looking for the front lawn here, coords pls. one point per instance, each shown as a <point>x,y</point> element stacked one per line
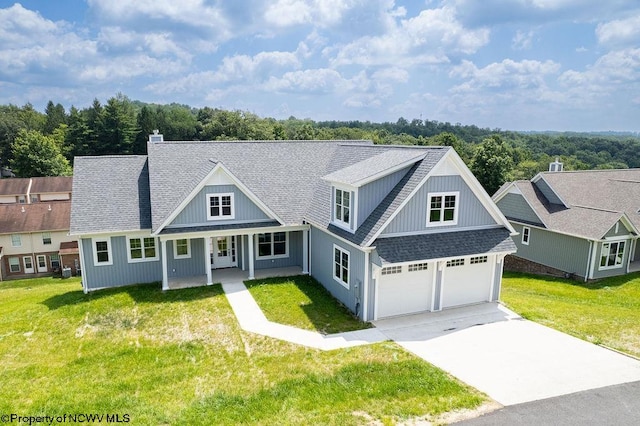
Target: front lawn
<point>179,357</point>
<point>302,302</point>
<point>606,312</point>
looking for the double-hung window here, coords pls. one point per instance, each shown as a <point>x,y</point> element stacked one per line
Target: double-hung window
<point>16,240</point>
<point>142,249</point>
<point>220,206</point>
<point>101,252</point>
<point>342,207</point>
<point>443,208</point>
<point>272,245</point>
<point>612,255</point>
<point>181,249</point>
<point>46,238</point>
<point>526,234</point>
<point>14,264</point>
<point>341,265</point>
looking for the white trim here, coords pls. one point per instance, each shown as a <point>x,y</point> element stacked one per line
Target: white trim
<point>615,265</point>
<point>333,266</point>
<point>142,248</point>
<point>235,222</point>
<point>95,251</point>
<point>381,174</point>
<point>526,234</point>
<point>43,239</point>
<point>305,251</point>
<point>341,239</point>
<point>443,195</point>
<point>218,166</point>
<point>499,197</point>
<point>594,255</point>
<point>207,259</point>
<point>45,268</point>
<point>440,231</point>
<point>272,243</point>
<point>347,226</point>
<point>539,176</point>
<point>233,231</point>
<point>220,195</point>
<point>175,249</point>
<point>365,290</point>
<point>18,264</point>
<point>83,270</point>
<point>165,277</point>
<point>19,240</point>
<point>251,256</point>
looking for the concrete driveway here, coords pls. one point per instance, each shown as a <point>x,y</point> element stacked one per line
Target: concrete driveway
<point>510,359</point>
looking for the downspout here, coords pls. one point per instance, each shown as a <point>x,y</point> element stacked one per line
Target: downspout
<point>586,272</point>
<point>365,290</point>
<point>28,200</point>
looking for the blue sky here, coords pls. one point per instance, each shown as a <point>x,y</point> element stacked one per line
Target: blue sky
<point>509,64</point>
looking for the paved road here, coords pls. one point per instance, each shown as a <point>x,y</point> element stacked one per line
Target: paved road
<point>613,405</point>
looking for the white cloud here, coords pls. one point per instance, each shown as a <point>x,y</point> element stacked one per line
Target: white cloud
<point>317,81</point>
<point>322,13</point>
<point>616,69</point>
<point>522,40</point>
<point>508,74</point>
<point>623,32</point>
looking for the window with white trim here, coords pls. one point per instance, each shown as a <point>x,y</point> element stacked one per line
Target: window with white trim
<point>526,234</point>
<point>55,261</point>
<point>22,199</point>
<point>14,264</point>
<point>478,259</point>
<point>455,262</point>
<point>142,249</point>
<point>46,238</point>
<point>181,249</point>
<point>220,206</point>
<point>612,254</point>
<point>341,265</point>
<point>342,207</point>
<point>442,208</point>
<point>418,267</point>
<point>102,252</point>
<point>16,240</point>
<point>389,270</point>
<point>272,245</point>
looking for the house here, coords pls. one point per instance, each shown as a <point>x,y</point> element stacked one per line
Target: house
<point>575,223</point>
<point>34,226</point>
<point>388,230</point>
<point>31,237</point>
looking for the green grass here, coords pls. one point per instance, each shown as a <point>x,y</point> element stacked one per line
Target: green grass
<point>605,312</point>
<point>179,357</point>
<point>302,302</point>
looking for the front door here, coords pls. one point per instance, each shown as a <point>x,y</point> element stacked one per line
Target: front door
<point>42,263</point>
<point>224,255</point>
<point>28,265</point>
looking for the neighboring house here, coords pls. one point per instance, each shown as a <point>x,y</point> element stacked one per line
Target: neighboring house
<point>580,223</point>
<point>31,236</point>
<point>388,230</point>
<point>34,190</point>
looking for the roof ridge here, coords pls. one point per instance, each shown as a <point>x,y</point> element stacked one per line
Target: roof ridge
<point>596,209</point>
<point>279,141</point>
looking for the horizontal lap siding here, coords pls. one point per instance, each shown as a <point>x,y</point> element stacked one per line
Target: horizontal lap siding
<point>564,252</point>
<point>189,267</point>
<point>322,268</point>
<point>515,206</point>
<point>413,217</point>
<point>196,211</point>
<point>121,272</point>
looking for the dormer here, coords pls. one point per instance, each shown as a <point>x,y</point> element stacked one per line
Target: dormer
<point>357,190</point>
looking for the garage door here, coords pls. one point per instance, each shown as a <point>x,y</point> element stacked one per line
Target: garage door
<point>466,281</point>
<point>404,290</point>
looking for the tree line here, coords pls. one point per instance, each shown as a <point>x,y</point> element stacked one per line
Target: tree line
<point>34,143</point>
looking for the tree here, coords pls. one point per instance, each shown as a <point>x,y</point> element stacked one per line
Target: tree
<point>119,126</point>
<point>55,117</point>
<point>35,154</point>
<point>492,163</point>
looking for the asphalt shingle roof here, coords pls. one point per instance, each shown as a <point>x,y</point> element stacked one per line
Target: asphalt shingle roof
<point>110,193</point>
<point>595,200</point>
<point>444,245</point>
<point>14,186</point>
<point>36,217</point>
<point>41,185</point>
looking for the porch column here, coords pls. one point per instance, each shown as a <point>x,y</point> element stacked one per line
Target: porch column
<point>251,260</point>
<point>163,253</point>
<point>207,260</point>
<point>305,251</point>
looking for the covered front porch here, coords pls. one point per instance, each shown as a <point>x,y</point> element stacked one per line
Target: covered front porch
<point>231,275</point>
<point>221,255</point>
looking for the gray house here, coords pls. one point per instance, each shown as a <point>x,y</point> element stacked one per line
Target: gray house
<point>388,230</point>
<point>580,223</point>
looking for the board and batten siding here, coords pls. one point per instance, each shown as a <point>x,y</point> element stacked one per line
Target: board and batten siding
<point>322,269</point>
<point>294,258</point>
<point>560,251</point>
<point>121,272</point>
<point>189,267</point>
<point>622,231</point>
<point>372,194</point>
<point>546,190</point>
<point>413,217</point>
<point>516,207</point>
<point>195,213</point>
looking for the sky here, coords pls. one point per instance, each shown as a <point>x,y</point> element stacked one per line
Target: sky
<point>565,65</point>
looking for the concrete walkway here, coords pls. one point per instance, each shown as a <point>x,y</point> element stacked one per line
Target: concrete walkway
<point>251,318</point>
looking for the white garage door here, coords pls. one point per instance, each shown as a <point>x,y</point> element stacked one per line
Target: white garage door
<point>404,290</point>
<point>466,281</point>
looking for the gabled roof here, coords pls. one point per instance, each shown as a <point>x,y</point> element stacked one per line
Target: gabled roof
<point>596,200</point>
<point>14,186</point>
<point>444,245</point>
<point>110,193</point>
<point>41,185</point>
<point>19,218</point>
